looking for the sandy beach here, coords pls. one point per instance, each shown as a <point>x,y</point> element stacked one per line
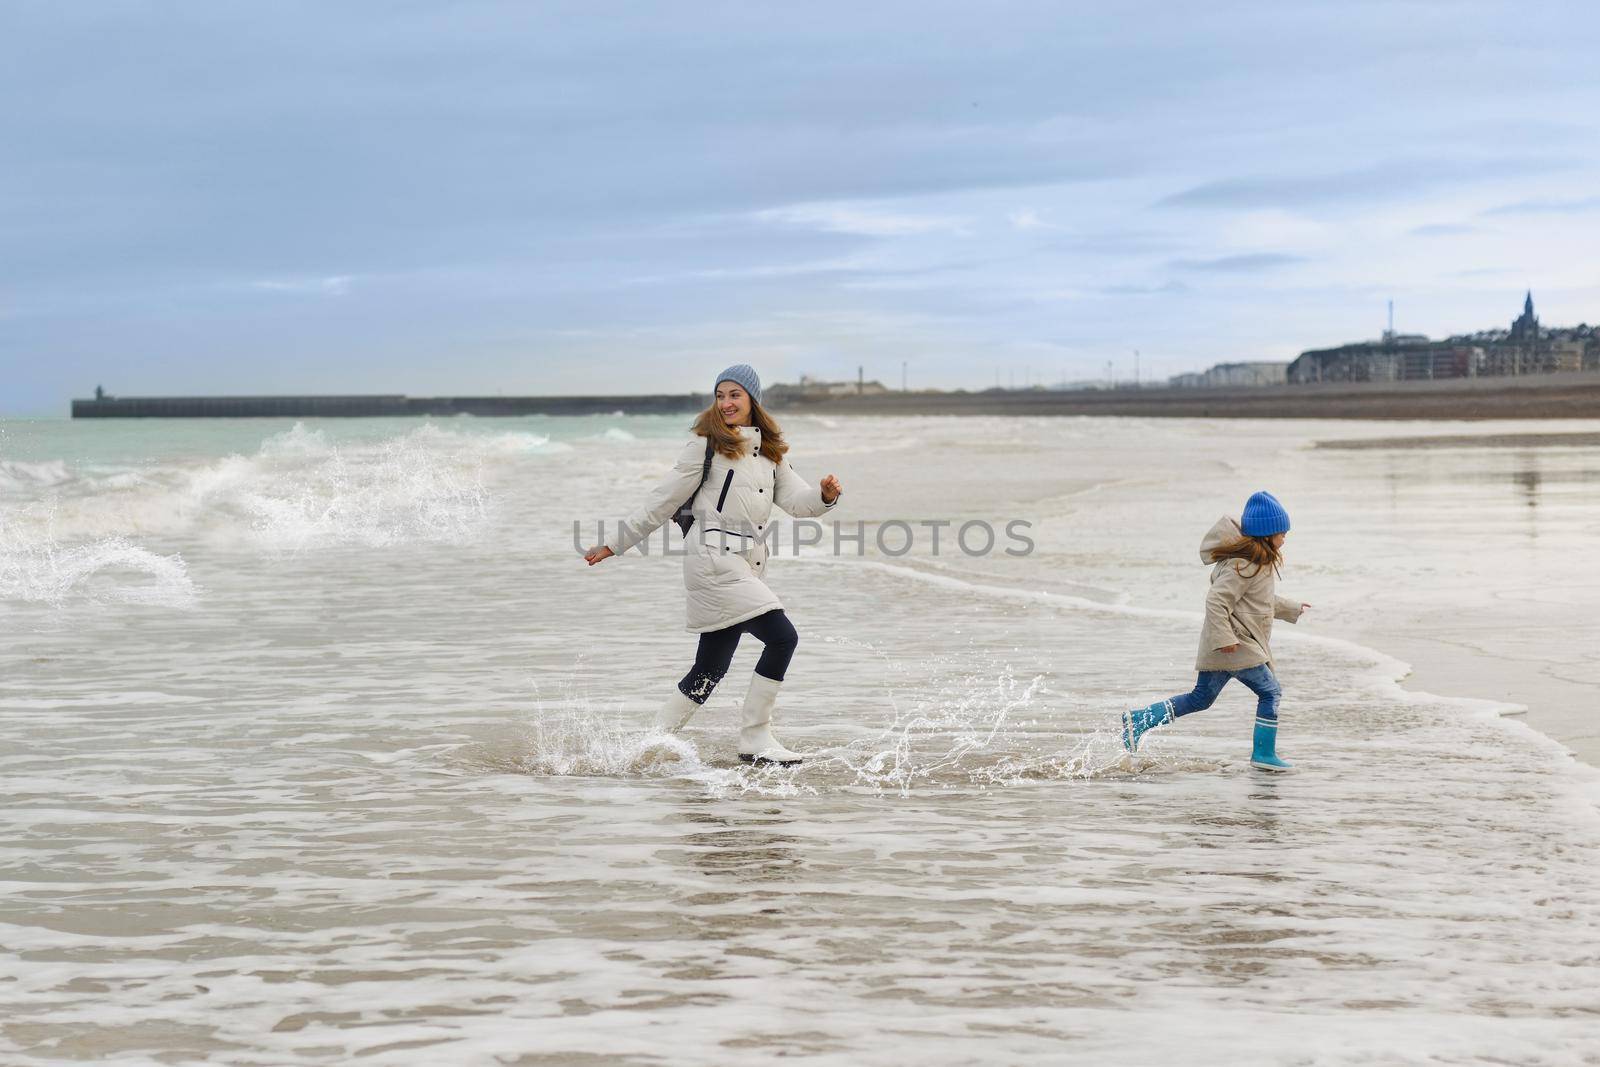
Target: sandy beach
<point>1525,646</point>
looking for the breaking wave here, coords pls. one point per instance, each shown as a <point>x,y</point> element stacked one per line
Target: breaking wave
<point>297,491</point>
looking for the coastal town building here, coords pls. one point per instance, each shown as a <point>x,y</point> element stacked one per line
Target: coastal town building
<point>1525,328</point>
<point>810,388</point>
<point>1525,348</point>
<point>1399,359</point>
<point>1233,375</point>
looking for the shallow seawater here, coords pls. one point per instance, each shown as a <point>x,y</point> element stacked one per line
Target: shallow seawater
<point>321,746</point>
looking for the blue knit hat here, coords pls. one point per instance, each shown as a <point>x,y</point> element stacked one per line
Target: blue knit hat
<point>745,377</point>
<point>1263,516</point>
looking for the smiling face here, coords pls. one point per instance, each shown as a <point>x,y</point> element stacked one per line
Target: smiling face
<point>734,403</point>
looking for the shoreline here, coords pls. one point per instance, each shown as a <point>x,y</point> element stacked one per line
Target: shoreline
<point>1479,682</point>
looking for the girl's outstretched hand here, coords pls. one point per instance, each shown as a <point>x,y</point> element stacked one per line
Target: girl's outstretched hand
<point>831,489</point>
<point>595,555</point>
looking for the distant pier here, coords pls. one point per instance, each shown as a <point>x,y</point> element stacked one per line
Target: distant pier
<point>378,406</point>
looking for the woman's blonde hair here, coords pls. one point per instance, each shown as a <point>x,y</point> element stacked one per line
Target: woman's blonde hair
<point>1259,551</point>
<point>727,440</point>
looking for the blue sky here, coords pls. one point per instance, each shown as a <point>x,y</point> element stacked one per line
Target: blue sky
<point>515,197</point>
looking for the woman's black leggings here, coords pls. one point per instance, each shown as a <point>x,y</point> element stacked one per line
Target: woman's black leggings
<point>711,659</point>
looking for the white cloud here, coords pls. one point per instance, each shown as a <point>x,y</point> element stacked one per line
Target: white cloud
<point>333,285</point>
<point>1028,219</point>
<point>1269,227</point>
<point>862,220</point>
<point>756,271</point>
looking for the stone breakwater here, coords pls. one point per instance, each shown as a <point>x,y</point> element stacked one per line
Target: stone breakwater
<point>386,405</point>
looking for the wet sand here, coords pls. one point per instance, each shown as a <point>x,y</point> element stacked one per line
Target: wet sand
<point>1524,640</point>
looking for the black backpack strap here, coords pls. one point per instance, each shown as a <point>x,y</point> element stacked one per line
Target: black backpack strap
<point>684,516</point>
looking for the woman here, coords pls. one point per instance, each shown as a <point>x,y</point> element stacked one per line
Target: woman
<point>725,562</point>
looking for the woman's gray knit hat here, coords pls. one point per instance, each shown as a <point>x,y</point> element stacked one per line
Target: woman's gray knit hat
<point>745,377</point>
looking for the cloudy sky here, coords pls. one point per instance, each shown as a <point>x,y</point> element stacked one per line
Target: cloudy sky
<point>437,198</point>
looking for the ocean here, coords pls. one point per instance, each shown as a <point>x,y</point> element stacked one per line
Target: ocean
<point>322,745</point>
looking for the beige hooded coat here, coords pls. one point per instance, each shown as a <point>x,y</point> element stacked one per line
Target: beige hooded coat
<point>1240,607</point>
<point>725,557</point>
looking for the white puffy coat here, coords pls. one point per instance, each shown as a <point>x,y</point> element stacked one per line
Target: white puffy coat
<point>725,559</point>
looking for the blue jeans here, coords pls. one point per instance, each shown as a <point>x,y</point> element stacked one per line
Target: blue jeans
<point>1259,680</point>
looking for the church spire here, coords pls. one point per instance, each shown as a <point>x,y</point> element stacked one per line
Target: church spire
<point>1527,325</point>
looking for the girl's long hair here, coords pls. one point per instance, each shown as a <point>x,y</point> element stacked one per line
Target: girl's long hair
<point>727,440</point>
<point>1255,550</point>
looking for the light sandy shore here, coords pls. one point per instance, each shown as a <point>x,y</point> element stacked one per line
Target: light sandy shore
<point>1528,633</point>
<point>1488,440</point>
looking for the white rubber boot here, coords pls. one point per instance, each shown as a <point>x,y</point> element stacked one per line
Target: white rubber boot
<point>676,713</point>
<point>756,743</point>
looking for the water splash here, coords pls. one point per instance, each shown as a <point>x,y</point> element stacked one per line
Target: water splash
<point>41,570</point>
<point>954,723</point>
<point>301,491</point>
<point>946,735</point>
<point>980,727</point>
<point>574,734</point>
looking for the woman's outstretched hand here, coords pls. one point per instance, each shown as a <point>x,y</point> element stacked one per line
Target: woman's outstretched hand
<point>831,489</point>
<point>595,555</point>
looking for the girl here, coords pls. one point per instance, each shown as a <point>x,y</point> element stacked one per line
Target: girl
<point>737,462</point>
<point>1236,639</point>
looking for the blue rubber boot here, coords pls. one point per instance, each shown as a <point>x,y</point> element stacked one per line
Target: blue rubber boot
<point>1264,753</point>
<point>1139,721</point>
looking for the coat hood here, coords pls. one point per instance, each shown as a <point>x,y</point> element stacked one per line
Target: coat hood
<point>1240,608</point>
<point>1226,529</point>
